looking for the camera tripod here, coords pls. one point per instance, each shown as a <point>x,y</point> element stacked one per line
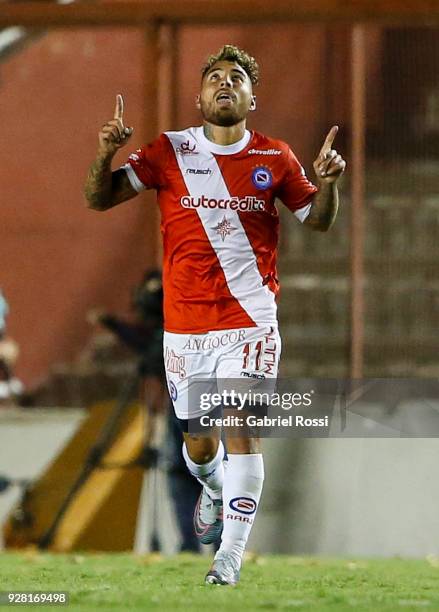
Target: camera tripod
<point>154,428</point>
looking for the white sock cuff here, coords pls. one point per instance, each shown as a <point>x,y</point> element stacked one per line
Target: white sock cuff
<point>252,464</point>
<point>204,469</point>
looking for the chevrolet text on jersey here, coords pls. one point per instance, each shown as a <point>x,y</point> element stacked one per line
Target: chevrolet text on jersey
<point>248,203</point>
<point>264,152</point>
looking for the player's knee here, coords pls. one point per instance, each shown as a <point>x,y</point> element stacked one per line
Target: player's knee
<point>201,450</point>
<point>243,446</point>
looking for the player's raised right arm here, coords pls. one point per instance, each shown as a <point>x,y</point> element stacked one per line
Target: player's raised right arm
<point>103,187</point>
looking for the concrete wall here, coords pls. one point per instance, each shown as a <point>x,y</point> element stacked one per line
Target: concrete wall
<point>59,259</point>
<point>356,497</point>
<point>28,443</point>
<point>31,440</point>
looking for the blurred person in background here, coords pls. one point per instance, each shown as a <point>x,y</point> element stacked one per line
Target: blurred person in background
<point>143,334</point>
<point>11,388</point>
<point>216,187</point>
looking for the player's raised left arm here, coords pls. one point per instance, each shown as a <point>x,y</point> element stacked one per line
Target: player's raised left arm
<point>328,166</point>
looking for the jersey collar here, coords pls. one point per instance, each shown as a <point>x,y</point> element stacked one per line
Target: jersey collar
<point>231,149</point>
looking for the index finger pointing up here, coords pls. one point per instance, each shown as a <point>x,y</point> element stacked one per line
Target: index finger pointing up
<point>118,111</point>
<point>327,145</point>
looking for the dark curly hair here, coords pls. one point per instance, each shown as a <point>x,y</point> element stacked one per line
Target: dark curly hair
<point>230,53</point>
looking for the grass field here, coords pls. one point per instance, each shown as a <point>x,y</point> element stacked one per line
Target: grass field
<point>126,582</point>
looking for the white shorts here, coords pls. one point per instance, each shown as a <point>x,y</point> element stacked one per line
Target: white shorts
<point>245,354</point>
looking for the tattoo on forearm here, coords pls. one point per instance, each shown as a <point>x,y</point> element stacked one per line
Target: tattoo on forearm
<point>324,208</point>
<point>98,184</point>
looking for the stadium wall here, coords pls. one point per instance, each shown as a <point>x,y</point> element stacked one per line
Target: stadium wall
<point>58,258</point>
<point>349,497</point>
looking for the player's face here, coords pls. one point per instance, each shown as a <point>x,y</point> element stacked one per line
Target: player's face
<point>226,94</point>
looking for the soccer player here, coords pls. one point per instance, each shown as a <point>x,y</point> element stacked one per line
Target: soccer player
<point>216,188</point>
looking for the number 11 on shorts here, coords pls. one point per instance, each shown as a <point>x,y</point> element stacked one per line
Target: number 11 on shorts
<point>249,354</point>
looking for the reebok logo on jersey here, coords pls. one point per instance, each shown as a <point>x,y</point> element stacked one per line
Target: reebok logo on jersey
<point>264,152</point>
<point>246,204</point>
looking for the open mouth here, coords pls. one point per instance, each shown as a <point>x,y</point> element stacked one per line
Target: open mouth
<point>224,98</point>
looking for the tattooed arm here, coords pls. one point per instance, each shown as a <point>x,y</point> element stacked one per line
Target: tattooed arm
<point>324,208</point>
<point>328,166</point>
<point>104,188</point>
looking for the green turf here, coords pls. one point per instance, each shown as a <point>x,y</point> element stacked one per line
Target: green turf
<point>126,582</point>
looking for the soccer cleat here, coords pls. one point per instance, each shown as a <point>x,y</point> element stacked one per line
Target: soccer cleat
<point>224,570</point>
<point>208,518</point>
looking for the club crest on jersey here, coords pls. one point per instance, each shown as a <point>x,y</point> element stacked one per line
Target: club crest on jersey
<point>224,228</point>
<point>245,505</point>
<point>262,177</point>
<point>187,149</point>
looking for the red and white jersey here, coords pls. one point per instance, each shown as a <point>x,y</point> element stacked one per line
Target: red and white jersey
<point>220,224</point>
